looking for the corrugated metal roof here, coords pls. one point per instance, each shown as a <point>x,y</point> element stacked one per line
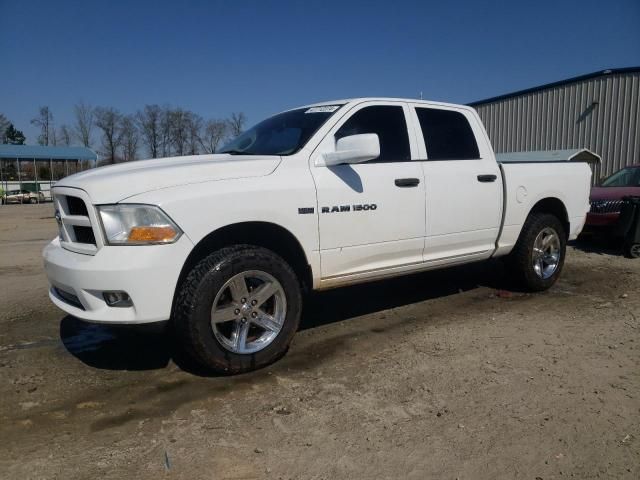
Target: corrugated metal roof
<point>580,78</point>
<point>568,155</point>
<point>40,152</point>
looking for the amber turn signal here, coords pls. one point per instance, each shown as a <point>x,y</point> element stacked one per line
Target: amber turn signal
<point>152,234</point>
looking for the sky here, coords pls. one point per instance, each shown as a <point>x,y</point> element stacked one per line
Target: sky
<point>262,57</point>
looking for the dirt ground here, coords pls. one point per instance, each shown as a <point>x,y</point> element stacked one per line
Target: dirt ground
<point>440,375</point>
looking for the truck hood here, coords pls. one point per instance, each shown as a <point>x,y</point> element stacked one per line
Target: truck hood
<point>612,193</point>
<point>114,183</point>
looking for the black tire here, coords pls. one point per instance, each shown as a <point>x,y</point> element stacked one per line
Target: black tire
<point>192,312</point>
<point>33,201</point>
<point>520,260</point>
<point>632,250</point>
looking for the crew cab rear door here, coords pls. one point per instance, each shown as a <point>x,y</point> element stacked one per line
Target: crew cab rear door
<point>463,183</point>
<point>372,214</point>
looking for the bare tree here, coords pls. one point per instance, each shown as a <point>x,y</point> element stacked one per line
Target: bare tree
<point>65,134</point>
<point>108,121</point>
<point>84,122</point>
<point>129,138</point>
<point>179,130</point>
<point>166,132</point>
<point>149,121</point>
<point>236,123</point>
<point>194,126</point>
<point>44,121</point>
<point>214,132</point>
<point>163,130</point>
<point>4,125</point>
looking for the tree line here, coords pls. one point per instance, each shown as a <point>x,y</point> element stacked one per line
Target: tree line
<point>158,131</point>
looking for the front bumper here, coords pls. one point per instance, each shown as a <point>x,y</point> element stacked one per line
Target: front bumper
<point>147,273</point>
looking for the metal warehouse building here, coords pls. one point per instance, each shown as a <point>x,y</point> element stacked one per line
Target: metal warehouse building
<point>599,111</point>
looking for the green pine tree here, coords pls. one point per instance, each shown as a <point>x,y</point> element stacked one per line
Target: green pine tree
<point>13,136</point>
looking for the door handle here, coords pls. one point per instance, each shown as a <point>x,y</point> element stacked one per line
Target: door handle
<point>407,182</point>
<point>487,178</point>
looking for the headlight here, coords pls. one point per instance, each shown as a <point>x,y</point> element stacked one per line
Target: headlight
<point>129,224</point>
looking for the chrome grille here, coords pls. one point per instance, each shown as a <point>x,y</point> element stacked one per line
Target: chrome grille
<point>606,206</point>
<point>76,206</point>
<point>76,221</point>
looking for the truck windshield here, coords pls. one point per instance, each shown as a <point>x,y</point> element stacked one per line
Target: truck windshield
<point>627,177</point>
<point>282,134</point>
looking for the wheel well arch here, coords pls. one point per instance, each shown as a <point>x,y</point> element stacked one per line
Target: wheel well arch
<point>260,234</point>
<point>556,207</point>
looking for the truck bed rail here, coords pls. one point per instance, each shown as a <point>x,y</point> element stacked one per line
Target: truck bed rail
<point>550,156</point>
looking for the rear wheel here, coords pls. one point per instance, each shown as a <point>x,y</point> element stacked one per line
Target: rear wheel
<point>538,257</point>
<point>238,309</point>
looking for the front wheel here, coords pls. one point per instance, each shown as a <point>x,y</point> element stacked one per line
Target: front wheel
<point>632,250</point>
<point>238,309</point>
<point>538,257</point>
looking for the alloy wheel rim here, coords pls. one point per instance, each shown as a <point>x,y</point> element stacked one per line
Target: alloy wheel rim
<point>248,312</point>
<point>546,253</point>
<point>635,250</point>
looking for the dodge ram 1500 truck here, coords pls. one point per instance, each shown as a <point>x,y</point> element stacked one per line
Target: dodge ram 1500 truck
<point>316,197</point>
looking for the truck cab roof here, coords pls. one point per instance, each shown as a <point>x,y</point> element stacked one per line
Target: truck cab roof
<point>357,100</point>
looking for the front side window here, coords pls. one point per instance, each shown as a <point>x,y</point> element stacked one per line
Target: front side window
<point>627,177</point>
<point>447,135</point>
<point>388,123</point>
<point>282,134</point>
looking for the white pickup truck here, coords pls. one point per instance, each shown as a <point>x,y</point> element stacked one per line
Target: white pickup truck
<point>316,197</point>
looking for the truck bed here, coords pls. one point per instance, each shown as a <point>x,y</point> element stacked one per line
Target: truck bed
<point>526,181</point>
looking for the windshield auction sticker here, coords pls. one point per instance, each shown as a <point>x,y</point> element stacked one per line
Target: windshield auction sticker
<point>323,109</point>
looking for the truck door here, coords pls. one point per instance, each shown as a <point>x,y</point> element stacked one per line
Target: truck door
<point>463,184</point>
<point>372,214</point>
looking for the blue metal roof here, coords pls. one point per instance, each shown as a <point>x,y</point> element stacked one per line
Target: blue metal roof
<point>39,152</point>
<point>600,73</point>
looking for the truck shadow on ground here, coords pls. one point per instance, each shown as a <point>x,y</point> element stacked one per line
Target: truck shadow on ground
<point>600,244</point>
<point>150,347</point>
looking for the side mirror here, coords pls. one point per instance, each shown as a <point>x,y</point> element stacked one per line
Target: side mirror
<point>354,149</point>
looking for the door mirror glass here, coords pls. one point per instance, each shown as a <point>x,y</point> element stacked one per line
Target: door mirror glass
<point>354,149</point>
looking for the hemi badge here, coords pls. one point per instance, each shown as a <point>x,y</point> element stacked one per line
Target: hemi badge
<point>306,210</point>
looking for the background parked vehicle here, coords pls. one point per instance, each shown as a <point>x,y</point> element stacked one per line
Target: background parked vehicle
<point>628,226</point>
<point>22,196</point>
<point>606,199</point>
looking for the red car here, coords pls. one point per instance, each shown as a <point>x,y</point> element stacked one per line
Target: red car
<point>606,199</point>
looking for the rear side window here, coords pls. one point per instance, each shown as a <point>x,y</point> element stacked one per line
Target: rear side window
<point>447,135</point>
<point>388,123</point>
